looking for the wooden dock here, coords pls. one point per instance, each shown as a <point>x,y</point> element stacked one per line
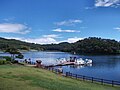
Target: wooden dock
<point>62,64</point>
<point>66,63</point>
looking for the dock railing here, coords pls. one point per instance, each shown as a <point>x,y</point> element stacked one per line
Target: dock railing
<point>85,78</point>
<point>92,79</point>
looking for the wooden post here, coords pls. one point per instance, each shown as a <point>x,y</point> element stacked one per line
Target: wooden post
<point>102,81</point>
<point>112,83</point>
<point>83,78</point>
<point>66,74</point>
<point>71,75</point>
<point>92,79</point>
<point>76,76</point>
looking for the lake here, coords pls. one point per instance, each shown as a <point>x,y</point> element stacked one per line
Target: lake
<point>104,66</point>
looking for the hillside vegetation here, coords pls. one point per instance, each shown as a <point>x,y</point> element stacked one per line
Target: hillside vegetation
<point>91,45</point>
<point>8,43</point>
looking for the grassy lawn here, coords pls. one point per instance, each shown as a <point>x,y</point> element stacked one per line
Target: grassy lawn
<point>15,77</point>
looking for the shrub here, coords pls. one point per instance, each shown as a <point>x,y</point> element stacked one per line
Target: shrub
<point>15,61</point>
<point>7,58</point>
<point>3,62</point>
<point>8,62</point>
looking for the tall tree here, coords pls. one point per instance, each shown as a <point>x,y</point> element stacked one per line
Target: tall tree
<point>13,52</point>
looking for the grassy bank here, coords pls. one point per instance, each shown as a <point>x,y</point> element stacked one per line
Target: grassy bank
<point>14,77</point>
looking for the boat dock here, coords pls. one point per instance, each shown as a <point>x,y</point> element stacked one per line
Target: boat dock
<point>61,64</point>
<point>65,63</point>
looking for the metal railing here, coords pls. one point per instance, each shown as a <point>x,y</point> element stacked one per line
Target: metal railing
<point>92,79</point>
<point>85,78</point>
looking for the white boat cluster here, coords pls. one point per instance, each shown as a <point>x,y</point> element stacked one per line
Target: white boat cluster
<point>78,61</point>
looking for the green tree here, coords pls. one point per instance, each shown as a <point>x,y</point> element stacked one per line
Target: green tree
<point>13,52</point>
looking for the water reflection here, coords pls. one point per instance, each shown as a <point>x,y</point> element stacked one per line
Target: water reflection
<point>77,66</point>
<point>80,66</point>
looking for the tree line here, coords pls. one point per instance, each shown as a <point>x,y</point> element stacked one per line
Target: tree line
<point>91,45</point>
<point>10,43</point>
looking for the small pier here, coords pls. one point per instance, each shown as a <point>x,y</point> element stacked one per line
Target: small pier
<point>62,64</point>
<point>65,63</point>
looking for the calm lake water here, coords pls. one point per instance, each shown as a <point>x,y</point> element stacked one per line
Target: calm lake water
<point>106,67</point>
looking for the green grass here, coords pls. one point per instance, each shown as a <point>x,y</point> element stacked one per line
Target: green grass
<point>15,77</point>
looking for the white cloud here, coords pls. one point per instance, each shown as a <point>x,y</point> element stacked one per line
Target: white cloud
<point>87,8</point>
<point>117,28</point>
<point>72,40</point>
<point>45,40</point>
<point>17,38</point>
<point>107,3</point>
<point>68,23</point>
<point>14,28</point>
<point>41,40</point>
<point>51,36</point>
<point>9,19</point>
<point>83,27</point>
<point>69,31</point>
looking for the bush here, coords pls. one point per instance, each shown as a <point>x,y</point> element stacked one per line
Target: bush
<point>15,61</point>
<point>8,62</point>
<point>3,62</point>
<point>7,58</point>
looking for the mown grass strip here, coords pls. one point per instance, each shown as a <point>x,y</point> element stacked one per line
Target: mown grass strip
<point>14,77</point>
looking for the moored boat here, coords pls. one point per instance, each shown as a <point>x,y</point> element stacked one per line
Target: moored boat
<point>88,61</point>
<point>79,61</point>
<point>73,61</point>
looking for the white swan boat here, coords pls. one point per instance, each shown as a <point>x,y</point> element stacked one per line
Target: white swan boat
<point>79,61</point>
<point>61,60</point>
<point>88,61</point>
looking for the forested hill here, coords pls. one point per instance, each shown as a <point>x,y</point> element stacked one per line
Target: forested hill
<point>8,43</point>
<point>97,46</point>
<point>91,45</point>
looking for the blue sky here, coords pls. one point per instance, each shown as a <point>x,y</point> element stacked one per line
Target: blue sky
<point>55,21</point>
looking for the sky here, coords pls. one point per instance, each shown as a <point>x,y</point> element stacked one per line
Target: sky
<point>55,21</point>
